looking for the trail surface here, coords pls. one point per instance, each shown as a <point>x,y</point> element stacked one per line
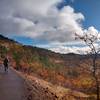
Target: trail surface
<point>11,85</point>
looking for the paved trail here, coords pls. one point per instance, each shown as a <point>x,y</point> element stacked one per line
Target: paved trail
<point>11,85</point>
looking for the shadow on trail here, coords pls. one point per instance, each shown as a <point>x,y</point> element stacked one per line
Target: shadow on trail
<point>3,72</point>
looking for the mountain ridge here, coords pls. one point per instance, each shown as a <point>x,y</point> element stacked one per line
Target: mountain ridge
<point>12,40</point>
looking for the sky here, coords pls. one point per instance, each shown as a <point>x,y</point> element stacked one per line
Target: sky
<point>50,24</point>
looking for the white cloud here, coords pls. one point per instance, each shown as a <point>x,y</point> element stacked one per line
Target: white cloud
<point>92,31</point>
<point>70,49</point>
<point>78,47</point>
<point>66,23</point>
<point>40,19</point>
<point>74,49</point>
<point>64,48</point>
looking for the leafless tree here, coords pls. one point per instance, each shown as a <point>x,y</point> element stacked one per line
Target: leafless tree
<point>92,41</point>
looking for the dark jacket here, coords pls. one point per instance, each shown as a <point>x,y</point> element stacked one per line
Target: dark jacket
<point>5,62</point>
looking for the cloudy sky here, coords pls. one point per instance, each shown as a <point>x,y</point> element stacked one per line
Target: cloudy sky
<point>50,24</point>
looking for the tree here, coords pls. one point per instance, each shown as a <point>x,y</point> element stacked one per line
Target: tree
<point>92,41</point>
<point>17,58</point>
<point>3,51</point>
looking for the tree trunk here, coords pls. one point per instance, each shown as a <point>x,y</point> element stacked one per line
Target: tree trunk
<point>97,89</point>
<point>96,77</point>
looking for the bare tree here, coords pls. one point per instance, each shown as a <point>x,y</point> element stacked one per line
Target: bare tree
<point>92,41</point>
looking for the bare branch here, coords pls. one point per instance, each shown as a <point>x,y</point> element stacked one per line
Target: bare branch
<point>90,40</point>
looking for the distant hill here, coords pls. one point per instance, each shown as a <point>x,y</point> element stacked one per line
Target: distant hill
<point>3,38</point>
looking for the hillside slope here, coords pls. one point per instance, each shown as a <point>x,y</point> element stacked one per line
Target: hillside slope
<point>38,89</point>
<point>67,70</point>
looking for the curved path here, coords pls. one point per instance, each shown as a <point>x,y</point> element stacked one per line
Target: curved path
<point>11,85</point>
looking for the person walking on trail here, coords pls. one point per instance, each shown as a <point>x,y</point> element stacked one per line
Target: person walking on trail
<point>5,62</point>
